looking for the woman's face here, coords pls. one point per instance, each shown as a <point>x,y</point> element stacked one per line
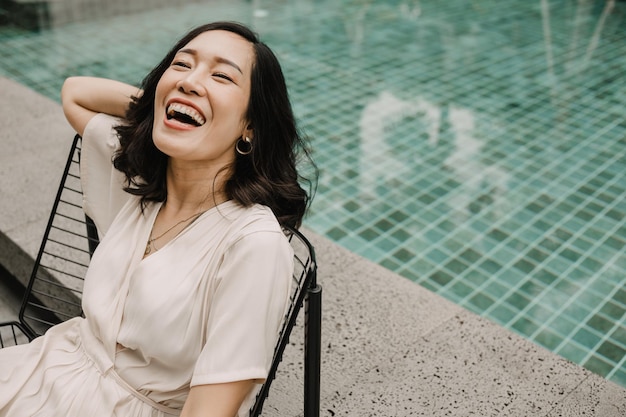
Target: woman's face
<point>202,98</point>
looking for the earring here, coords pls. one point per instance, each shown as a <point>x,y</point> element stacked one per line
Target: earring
<point>244,146</point>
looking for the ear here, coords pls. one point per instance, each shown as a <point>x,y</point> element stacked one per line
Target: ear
<point>248,132</point>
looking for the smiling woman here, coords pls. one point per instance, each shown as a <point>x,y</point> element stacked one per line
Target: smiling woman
<point>189,180</point>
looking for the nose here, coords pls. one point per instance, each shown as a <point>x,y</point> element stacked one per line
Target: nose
<point>190,84</point>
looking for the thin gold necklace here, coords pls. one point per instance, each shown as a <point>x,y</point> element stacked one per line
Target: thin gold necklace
<point>150,244</point>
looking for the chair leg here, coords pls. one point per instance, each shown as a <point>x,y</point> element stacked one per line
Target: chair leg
<point>312,351</point>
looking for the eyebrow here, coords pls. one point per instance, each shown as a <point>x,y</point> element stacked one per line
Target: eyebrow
<point>220,60</point>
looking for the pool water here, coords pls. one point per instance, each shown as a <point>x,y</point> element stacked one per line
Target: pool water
<point>478,148</point>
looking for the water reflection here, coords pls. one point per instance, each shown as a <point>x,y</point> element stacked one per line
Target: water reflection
<point>424,122</point>
<point>377,118</point>
<point>475,177</point>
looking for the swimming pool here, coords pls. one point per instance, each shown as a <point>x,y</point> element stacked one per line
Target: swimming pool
<point>475,147</point>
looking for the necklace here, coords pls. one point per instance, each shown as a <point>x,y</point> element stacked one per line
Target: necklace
<point>150,244</point>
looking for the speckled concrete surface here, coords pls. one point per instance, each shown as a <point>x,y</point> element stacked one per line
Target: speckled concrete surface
<point>390,347</point>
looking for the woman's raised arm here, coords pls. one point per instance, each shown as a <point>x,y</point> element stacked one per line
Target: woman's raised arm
<point>84,97</point>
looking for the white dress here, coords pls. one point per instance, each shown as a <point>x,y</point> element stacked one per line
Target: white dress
<point>205,308</point>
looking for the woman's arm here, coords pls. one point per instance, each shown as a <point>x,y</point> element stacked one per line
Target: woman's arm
<point>216,400</point>
<point>84,97</point>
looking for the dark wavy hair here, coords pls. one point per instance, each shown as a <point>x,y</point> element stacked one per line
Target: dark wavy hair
<point>268,175</point>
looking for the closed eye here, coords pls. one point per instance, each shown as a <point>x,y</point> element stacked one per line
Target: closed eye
<point>224,76</point>
<point>180,64</point>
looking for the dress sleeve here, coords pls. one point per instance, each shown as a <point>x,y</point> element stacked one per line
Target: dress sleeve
<point>103,194</point>
<point>247,310</point>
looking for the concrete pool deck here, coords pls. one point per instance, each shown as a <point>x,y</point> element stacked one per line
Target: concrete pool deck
<point>390,347</point>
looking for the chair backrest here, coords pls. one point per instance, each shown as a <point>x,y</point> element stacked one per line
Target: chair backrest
<point>306,292</point>
<point>55,287</point>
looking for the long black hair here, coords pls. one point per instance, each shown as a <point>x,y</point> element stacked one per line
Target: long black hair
<point>268,175</point>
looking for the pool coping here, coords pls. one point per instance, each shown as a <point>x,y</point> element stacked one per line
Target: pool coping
<point>390,347</point>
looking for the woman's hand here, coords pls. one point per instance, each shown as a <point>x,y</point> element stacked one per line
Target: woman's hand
<point>84,97</point>
<point>216,400</point>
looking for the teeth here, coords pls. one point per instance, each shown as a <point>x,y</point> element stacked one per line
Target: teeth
<point>186,110</point>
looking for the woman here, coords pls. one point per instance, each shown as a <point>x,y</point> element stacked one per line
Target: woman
<point>186,292</point>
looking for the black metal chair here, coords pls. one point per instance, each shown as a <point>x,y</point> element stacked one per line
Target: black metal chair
<point>55,286</point>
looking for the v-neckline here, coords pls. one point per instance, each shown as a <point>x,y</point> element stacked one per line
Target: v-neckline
<point>155,212</point>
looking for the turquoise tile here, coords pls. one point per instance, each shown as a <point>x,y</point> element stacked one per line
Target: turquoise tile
<point>574,352</point>
<point>598,365</point>
<point>548,339</point>
<point>619,377</point>
<point>587,338</point>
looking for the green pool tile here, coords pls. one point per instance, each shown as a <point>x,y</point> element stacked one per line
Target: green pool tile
<point>541,313</point>
<point>532,288</point>
<point>391,264</point>
<point>525,266</point>
<point>576,312</point>
<point>611,351</point>
<point>613,311</point>
<point>589,299</point>
<point>453,245</point>
<point>470,256</point>
<point>598,366</point>
<point>525,326</point>
<point>600,324</point>
<point>422,266</point>
<point>373,253</point>
<point>437,256</point>
<point>545,276</point>
<point>442,278</point>
<point>401,235</point>
<point>563,326</point>
<point>481,302</point>
<point>489,266</point>
<point>587,338</point>
<point>518,301</point>
<point>616,242</point>
<point>476,277</point>
<point>512,277</point>
<point>456,267</point>
<point>336,233</point>
<point>501,313</point>
<point>504,255</point>
<point>430,285</point>
<point>574,352</point>
<point>403,255</point>
<point>548,339</point>
<point>369,234</point>
<point>461,289</point>
<point>582,244</point>
<point>570,255</point>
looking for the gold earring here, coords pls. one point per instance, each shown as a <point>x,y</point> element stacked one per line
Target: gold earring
<point>246,144</point>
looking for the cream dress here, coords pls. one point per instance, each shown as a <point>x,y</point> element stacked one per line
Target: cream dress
<point>205,308</point>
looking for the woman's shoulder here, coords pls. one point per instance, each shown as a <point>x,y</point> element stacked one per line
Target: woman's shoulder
<point>100,135</point>
<point>256,220</point>
<point>101,124</point>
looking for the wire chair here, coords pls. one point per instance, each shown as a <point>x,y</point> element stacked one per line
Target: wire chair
<point>55,286</point>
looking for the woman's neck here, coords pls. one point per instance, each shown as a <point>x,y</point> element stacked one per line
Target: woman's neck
<point>194,190</point>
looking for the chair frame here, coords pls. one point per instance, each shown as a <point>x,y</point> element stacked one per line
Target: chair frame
<point>21,325</point>
<point>308,293</point>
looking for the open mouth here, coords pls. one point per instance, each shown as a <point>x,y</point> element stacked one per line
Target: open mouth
<point>184,114</point>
